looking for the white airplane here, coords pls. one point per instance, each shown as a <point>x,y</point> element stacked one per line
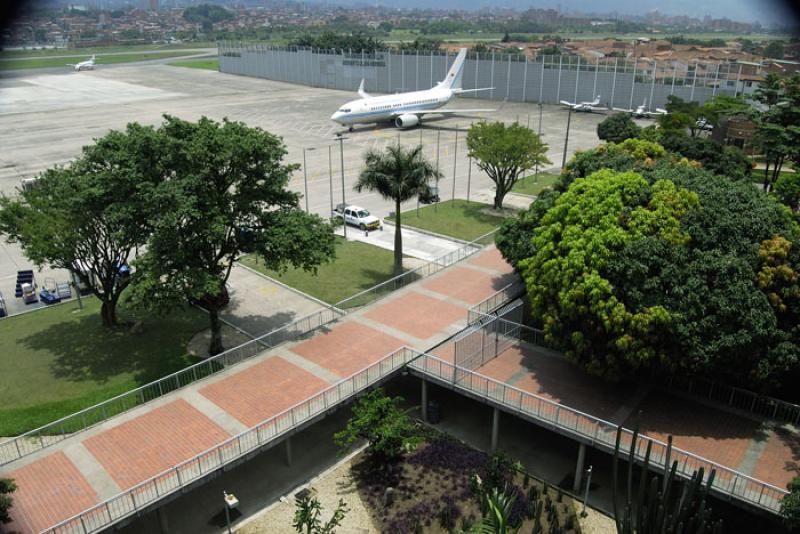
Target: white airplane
<point>594,105</point>
<point>83,65</point>
<point>642,112</point>
<point>406,109</point>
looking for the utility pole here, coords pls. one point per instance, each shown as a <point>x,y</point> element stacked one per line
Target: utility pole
<point>330,175</point>
<point>344,202</point>
<point>539,133</point>
<point>438,137</point>
<point>455,161</point>
<point>566,140</point>
<point>305,174</point>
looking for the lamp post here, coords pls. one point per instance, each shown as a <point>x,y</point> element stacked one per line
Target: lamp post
<point>305,174</point>
<point>330,175</point>
<point>566,139</point>
<point>455,161</point>
<point>341,158</point>
<point>438,137</point>
<point>586,492</point>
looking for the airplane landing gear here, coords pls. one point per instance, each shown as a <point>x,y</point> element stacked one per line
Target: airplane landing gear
<point>350,129</point>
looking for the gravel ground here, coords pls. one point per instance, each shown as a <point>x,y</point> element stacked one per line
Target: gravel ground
<point>332,485</point>
<point>337,483</point>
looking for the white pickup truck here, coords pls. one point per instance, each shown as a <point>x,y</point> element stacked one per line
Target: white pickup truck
<point>357,216</point>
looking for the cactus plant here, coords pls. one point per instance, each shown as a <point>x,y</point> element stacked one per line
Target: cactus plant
<point>658,507</point>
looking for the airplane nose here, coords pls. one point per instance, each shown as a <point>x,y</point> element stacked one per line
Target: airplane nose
<point>336,116</point>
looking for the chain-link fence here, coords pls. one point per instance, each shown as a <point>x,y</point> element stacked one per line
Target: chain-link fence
<point>620,82</point>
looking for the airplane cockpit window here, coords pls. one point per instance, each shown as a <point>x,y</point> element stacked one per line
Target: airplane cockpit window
<point>344,110</point>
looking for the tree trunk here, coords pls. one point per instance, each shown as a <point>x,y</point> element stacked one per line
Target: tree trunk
<point>108,312</point>
<point>215,347</point>
<point>499,194</point>
<point>398,241</point>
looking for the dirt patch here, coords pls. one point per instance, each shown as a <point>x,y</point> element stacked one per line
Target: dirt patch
<point>502,213</point>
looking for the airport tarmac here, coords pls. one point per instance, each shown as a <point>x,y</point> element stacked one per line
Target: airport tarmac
<point>46,116</point>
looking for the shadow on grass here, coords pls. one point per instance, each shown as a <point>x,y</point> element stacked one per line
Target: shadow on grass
<point>84,350</point>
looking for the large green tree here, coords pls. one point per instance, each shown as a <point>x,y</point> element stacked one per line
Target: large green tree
<point>91,216</point>
<point>226,192</point>
<point>713,288</point>
<point>398,174</point>
<point>584,229</point>
<point>504,153</point>
<point>617,128</point>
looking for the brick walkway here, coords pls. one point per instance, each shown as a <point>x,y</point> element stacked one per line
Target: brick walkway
<point>759,448</point>
<point>94,465</point>
<point>89,467</point>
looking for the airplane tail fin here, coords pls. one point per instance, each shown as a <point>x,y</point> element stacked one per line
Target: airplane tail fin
<point>453,79</point>
<point>361,92</point>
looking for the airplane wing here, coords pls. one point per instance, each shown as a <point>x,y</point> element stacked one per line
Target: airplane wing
<point>70,64</point>
<point>596,108</point>
<point>568,104</point>
<point>623,110</point>
<point>442,111</point>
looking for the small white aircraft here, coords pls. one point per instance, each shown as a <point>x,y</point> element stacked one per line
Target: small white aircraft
<point>83,65</point>
<point>642,112</point>
<point>588,107</point>
<point>406,109</point>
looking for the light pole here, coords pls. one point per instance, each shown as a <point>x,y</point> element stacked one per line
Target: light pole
<point>539,132</point>
<point>586,492</point>
<point>305,174</point>
<point>341,158</point>
<point>566,140</point>
<point>455,161</point>
<point>330,174</point>
<point>438,137</point>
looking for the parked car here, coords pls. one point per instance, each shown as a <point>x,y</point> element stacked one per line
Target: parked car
<point>357,216</point>
<point>429,195</point>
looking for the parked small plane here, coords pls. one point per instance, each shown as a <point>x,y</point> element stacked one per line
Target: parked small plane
<point>83,65</point>
<point>642,112</point>
<point>594,105</point>
<point>406,109</point>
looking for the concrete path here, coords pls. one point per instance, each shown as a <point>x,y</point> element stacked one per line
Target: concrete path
<point>142,442</point>
<point>417,244</point>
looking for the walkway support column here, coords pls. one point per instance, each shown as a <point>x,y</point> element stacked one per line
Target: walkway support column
<point>288,447</point>
<point>163,521</point>
<point>495,429</point>
<point>576,486</point>
<point>424,400</point>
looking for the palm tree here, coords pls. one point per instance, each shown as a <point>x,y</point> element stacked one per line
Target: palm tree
<point>398,174</point>
<point>498,512</point>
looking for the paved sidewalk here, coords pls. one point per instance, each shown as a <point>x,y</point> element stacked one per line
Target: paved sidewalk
<point>415,244</point>
<point>142,442</point>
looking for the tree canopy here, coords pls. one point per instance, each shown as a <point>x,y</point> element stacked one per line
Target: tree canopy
<point>504,153</point>
<point>91,216</point>
<point>617,128</point>
<point>329,40</point>
<point>226,193</point>
<point>656,263</point>
<point>7,487</point>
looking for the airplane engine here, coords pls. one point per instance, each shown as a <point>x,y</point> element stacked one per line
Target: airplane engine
<point>406,121</point>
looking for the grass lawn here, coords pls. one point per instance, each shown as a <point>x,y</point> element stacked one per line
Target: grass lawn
<point>533,186</point>
<point>59,360</point>
<point>454,218</point>
<point>80,52</point>
<point>101,60</point>
<point>358,266</point>
<point>208,64</point>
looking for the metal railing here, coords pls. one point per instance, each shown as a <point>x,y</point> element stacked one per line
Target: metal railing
<point>483,341</point>
<point>54,432</point>
<point>379,291</point>
<point>157,487</point>
<point>728,482</point>
<point>495,301</point>
<point>738,398</point>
